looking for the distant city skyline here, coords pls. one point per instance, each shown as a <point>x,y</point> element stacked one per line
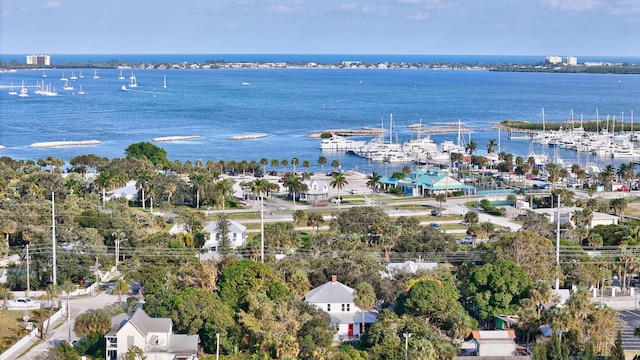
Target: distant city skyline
<point>500,27</point>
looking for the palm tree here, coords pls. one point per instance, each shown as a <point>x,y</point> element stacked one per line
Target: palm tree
<point>365,298</point>
<point>169,190</point>
<point>339,181</point>
<point>67,287</point>
<point>142,184</point>
<point>264,162</point>
<point>225,187</point>
<point>373,180</point>
<point>197,183</point>
<point>295,162</point>
<point>471,147</point>
<point>315,220</point>
<point>491,146</point>
<point>322,161</point>
<point>284,164</point>
<point>335,164</point>
<point>275,163</point>
<point>104,182</point>
<point>306,164</point>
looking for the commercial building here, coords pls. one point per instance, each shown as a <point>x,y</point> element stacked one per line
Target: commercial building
<point>43,60</point>
<point>552,59</point>
<point>571,60</point>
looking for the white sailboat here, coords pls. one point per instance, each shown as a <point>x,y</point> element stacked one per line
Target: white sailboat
<point>63,78</point>
<point>11,91</point>
<point>133,82</point>
<point>67,86</point>
<point>165,82</point>
<point>80,92</point>
<point>43,74</point>
<point>73,76</point>
<point>23,91</point>
<point>95,74</point>
<point>80,75</point>
<point>121,77</point>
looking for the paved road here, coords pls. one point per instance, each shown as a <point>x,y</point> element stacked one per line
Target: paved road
<point>57,333</point>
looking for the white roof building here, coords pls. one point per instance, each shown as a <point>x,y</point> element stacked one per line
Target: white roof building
<point>154,336</point>
<point>237,235</point>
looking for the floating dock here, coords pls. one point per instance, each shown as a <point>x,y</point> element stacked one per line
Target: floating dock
<point>249,136</point>
<point>176,138</point>
<point>48,144</point>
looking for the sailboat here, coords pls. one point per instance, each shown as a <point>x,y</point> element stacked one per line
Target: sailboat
<point>67,86</point>
<point>43,74</point>
<point>80,92</point>
<point>23,91</point>
<point>165,82</point>
<point>80,75</point>
<point>121,77</point>
<point>63,78</point>
<point>73,76</point>
<point>95,74</point>
<point>133,83</point>
<point>11,91</point>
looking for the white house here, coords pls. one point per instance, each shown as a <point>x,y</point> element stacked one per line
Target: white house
<point>495,343</point>
<point>154,336</point>
<point>336,299</point>
<point>566,216</point>
<point>8,260</point>
<point>317,191</point>
<point>237,235</point>
<point>129,191</point>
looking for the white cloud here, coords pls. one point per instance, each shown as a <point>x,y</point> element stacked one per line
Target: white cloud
<point>375,10</point>
<point>571,5</point>
<point>52,4</point>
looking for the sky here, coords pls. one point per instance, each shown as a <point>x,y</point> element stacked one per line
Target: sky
<point>446,27</point>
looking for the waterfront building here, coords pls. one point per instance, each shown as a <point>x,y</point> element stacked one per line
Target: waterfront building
<point>43,60</point>
<point>571,60</point>
<point>553,59</point>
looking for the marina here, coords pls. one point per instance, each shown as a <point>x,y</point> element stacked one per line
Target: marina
<point>213,105</point>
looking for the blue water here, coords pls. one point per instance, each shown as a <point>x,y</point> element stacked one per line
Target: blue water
<point>290,104</point>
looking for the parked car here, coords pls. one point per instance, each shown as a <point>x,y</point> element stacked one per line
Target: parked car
<point>258,174</point>
<point>623,188</point>
<point>464,223</point>
<point>465,240</point>
<point>544,186</point>
<point>353,191</point>
<point>435,226</point>
<point>436,212</point>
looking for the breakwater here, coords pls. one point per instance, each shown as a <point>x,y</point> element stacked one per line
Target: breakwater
<point>49,144</point>
<point>249,136</point>
<point>176,138</point>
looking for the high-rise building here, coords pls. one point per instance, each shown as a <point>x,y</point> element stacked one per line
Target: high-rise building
<point>39,60</point>
<point>552,59</point>
<point>571,60</point>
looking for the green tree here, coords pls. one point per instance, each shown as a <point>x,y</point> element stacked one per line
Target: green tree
<point>365,298</point>
<point>497,288</point>
<point>295,162</point>
<point>94,322</point>
<point>491,146</point>
<point>617,351</point>
<point>223,237</point>
<point>339,181</point>
<point>134,353</point>
<point>155,154</point>
<point>322,161</point>
<point>440,198</point>
<point>471,147</point>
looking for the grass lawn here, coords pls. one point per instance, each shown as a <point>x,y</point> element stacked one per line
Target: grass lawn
<point>12,326</point>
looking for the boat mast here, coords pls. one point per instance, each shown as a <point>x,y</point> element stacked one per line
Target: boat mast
<point>390,128</point>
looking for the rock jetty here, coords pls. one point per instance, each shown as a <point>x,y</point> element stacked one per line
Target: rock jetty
<point>48,144</point>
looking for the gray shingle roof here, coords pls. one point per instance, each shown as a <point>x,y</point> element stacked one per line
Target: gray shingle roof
<point>330,292</point>
<point>147,324</point>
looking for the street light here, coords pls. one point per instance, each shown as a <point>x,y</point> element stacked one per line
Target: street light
<point>406,344</point>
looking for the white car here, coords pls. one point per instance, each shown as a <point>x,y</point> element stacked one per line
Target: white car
<point>465,240</point>
<point>353,191</point>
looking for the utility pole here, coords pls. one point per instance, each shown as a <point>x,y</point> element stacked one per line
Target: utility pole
<point>261,228</point>
<point>117,242</point>
<point>28,280</point>
<point>53,236</point>
<point>558,247</point>
<point>217,345</point>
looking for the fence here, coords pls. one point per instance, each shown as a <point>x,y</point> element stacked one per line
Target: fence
<point>12,352</point>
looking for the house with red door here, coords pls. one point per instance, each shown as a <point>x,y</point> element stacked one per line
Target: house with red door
<point>337,300</point>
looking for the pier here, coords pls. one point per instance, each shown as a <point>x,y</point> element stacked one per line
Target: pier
<point>176,138</point>
<point>249,136</point>
<point>48,144</point>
